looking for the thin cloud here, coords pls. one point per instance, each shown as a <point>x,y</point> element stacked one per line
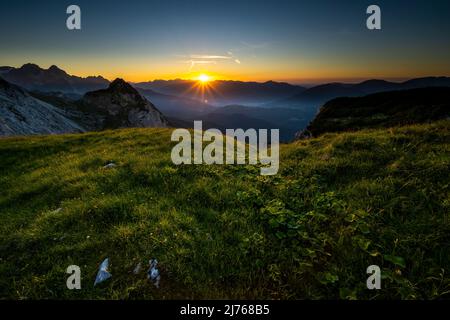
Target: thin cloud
<point>195,56</point>
<point>195,59</point>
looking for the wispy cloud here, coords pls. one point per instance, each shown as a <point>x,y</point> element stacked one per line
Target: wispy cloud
<point>196,59</point>
<point>197,56</point>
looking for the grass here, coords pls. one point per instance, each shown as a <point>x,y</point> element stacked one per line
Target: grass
<point>339,203</point>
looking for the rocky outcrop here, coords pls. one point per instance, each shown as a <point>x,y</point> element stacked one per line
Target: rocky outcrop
<point>22,114</point>
<point>124,107</point>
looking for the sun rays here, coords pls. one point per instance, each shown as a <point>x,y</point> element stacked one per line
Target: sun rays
<point>203,87</point>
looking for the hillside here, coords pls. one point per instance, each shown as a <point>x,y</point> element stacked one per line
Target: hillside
<point>316,96</point>
<point>340,203</point>
<point>384,109</point>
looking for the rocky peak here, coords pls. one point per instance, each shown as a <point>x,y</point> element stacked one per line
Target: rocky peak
<point>124,106</point>
<point>118,93</point>
<point>120,85</point>
<point>30,68</point>
<point>55,70</point>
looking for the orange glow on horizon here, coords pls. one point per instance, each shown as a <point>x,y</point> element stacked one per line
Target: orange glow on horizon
<point>136,73</point>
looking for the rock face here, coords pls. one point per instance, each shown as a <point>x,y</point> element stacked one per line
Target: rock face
<point>22,114</point>
<point>124,107</point>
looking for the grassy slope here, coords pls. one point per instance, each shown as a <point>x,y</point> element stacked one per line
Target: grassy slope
<point>339,203</point>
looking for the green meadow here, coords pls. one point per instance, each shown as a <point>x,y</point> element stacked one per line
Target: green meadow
<point>339,203</point>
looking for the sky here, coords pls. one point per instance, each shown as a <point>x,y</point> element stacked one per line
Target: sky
<point>294,41</point>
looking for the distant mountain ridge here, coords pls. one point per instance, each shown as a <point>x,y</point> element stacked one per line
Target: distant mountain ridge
<point>224,92</point>
<point>322,93</point>
<point>32,77</point>
<point>219,103</point>
<point>5,69</point>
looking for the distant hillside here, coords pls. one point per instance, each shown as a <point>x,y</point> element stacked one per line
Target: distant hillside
<point>316,96</point>
<point>33,77</point>
<point>384,109</point>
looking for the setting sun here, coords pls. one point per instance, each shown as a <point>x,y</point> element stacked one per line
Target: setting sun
<point>204,78</point>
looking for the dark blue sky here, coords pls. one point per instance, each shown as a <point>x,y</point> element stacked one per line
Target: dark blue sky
<point>298,41</point>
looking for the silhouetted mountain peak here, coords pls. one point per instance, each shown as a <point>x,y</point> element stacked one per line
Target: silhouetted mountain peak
<point>30,68</point>
<point>374,81</point>
<point>120,85</point>
<point>55,70</point>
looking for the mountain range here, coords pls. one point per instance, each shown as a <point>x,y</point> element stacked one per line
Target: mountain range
<point>224,92</point>
<point>32,77</point>
<point>93,103</point>
<point>318,95</point>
